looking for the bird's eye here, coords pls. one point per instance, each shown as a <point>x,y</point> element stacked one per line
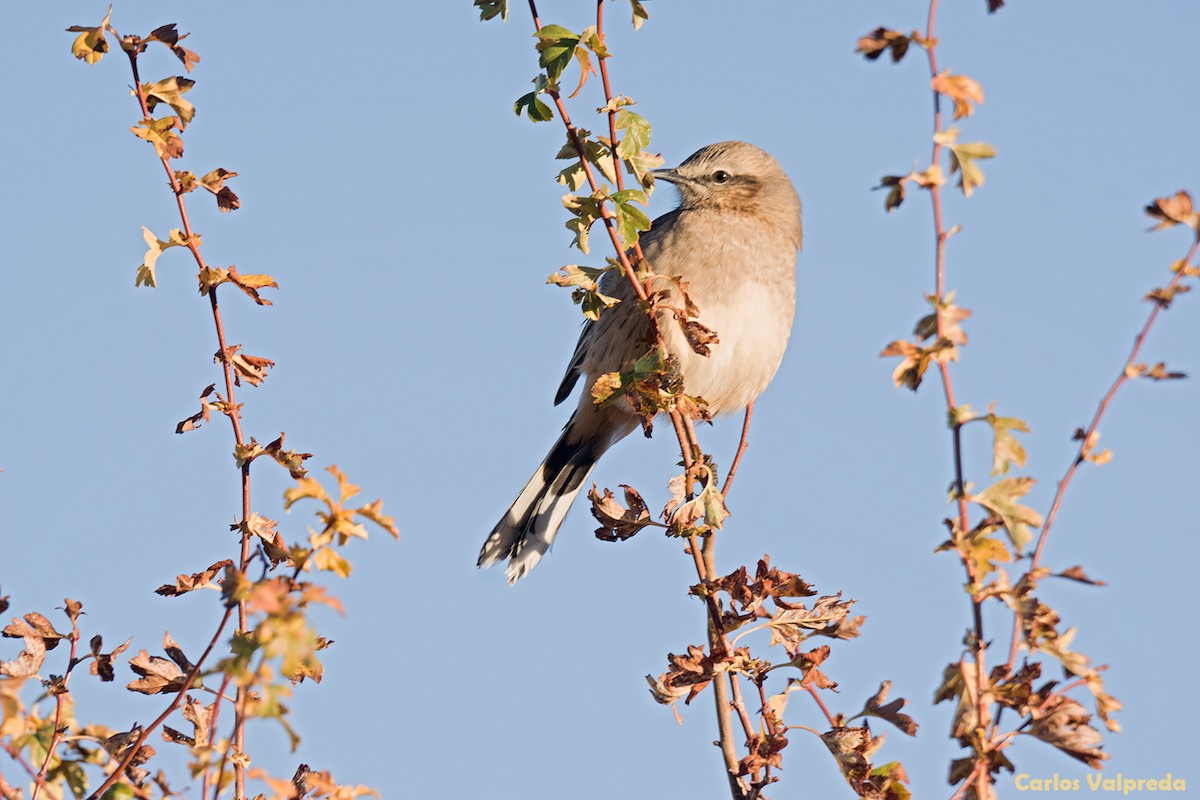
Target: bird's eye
<point>720,176</point>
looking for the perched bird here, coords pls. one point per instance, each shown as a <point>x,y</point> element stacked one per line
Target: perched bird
<point>734,240</point>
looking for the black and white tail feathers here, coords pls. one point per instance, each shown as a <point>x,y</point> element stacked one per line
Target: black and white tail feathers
<point>526,531</point>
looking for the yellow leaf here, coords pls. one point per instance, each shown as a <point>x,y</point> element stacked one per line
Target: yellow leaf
<point>90,45</point>
<point>327,559</point>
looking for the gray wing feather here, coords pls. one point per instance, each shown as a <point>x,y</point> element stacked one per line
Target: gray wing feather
<point>573,369</point>
<point>615,284</point>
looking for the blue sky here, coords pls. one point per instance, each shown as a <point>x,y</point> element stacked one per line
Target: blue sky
<point>411,221</point>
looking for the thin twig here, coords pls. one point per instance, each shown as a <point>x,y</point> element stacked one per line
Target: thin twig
<point>7,791</point>
<point>59,700</point>
<point>231,408</point>
<point>739,705</point>
<point>1104,403</point>
<point>15,754</point>
<point>212,736</point>
<point>812,691</point>
<point>742,444</point>
<point>1086,441</point>
<point>684,430</point>
<point>964,525</point>
<point>161,718</point>
<point>975,773</point>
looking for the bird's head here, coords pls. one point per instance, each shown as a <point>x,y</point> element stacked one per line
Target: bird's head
<point>738,178</point>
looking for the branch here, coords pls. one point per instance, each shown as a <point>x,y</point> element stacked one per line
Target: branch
<point>59,700</point>
<point>231,409</point>
<point>684,430</point>
<point>38,779</point>
<point>980,776</point>
<point>1138,341</point>
<point>161,718</point>
<point>1086,441</point>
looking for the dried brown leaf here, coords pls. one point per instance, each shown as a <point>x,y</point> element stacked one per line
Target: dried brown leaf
<point>882,40</point>
<point>875,707</point>
<point>158,675</point>
<point>1174,210</point>
<point>197,580</point>
<point>618,522</point>
<point>1064,724</point>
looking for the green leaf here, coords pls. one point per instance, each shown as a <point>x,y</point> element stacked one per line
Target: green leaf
<point>488,9</point>
<point>554,33</point>
<point>631,220</point>
<point>1001,499</point>
<point>596,152</point>
<point>640,14</point>
<point>72,773</point>
<point>648,364</point>
<point>534,108</point>
<point>588,293</point>
<point>119,791</point>
<point>889,780</point>
<point>641,164</point>
<point>637,134</point>
<point>586,211</point>
<point>593,302</point>
<point>630,195</point>
<point>556,47</point>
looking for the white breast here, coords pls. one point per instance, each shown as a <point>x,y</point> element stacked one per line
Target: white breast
<point>752,314</point>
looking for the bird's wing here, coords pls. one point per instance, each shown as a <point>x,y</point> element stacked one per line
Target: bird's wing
<point>573,369</point>
<point>614,284</point>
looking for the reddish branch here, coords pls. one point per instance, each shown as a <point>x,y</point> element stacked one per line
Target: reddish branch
<point>684,431</point>
<point>1086,441</point>
<point>59,699</point>
<point>233,411</point>
<point>941,235</point>
<point>212,737</point>
<point>161,718</point>
<point>15,753</point>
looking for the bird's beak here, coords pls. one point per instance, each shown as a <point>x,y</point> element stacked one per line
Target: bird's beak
<point>668,175</point>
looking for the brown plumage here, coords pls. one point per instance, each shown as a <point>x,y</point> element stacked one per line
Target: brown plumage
<point>734,239</point>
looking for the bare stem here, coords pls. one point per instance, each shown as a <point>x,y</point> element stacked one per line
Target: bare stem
<point>743,443</point>
<point>7,791</point>
<point>812,691</point>
<point>1086,440</point>
<point>1138,341</point>
<point>212,737</point>
<point>38,779</point>
<point>59,700</point>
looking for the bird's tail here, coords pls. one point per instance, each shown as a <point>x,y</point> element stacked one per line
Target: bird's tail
<point>527,530</point>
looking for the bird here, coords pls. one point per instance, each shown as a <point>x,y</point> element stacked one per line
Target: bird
<point>734,238</point>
